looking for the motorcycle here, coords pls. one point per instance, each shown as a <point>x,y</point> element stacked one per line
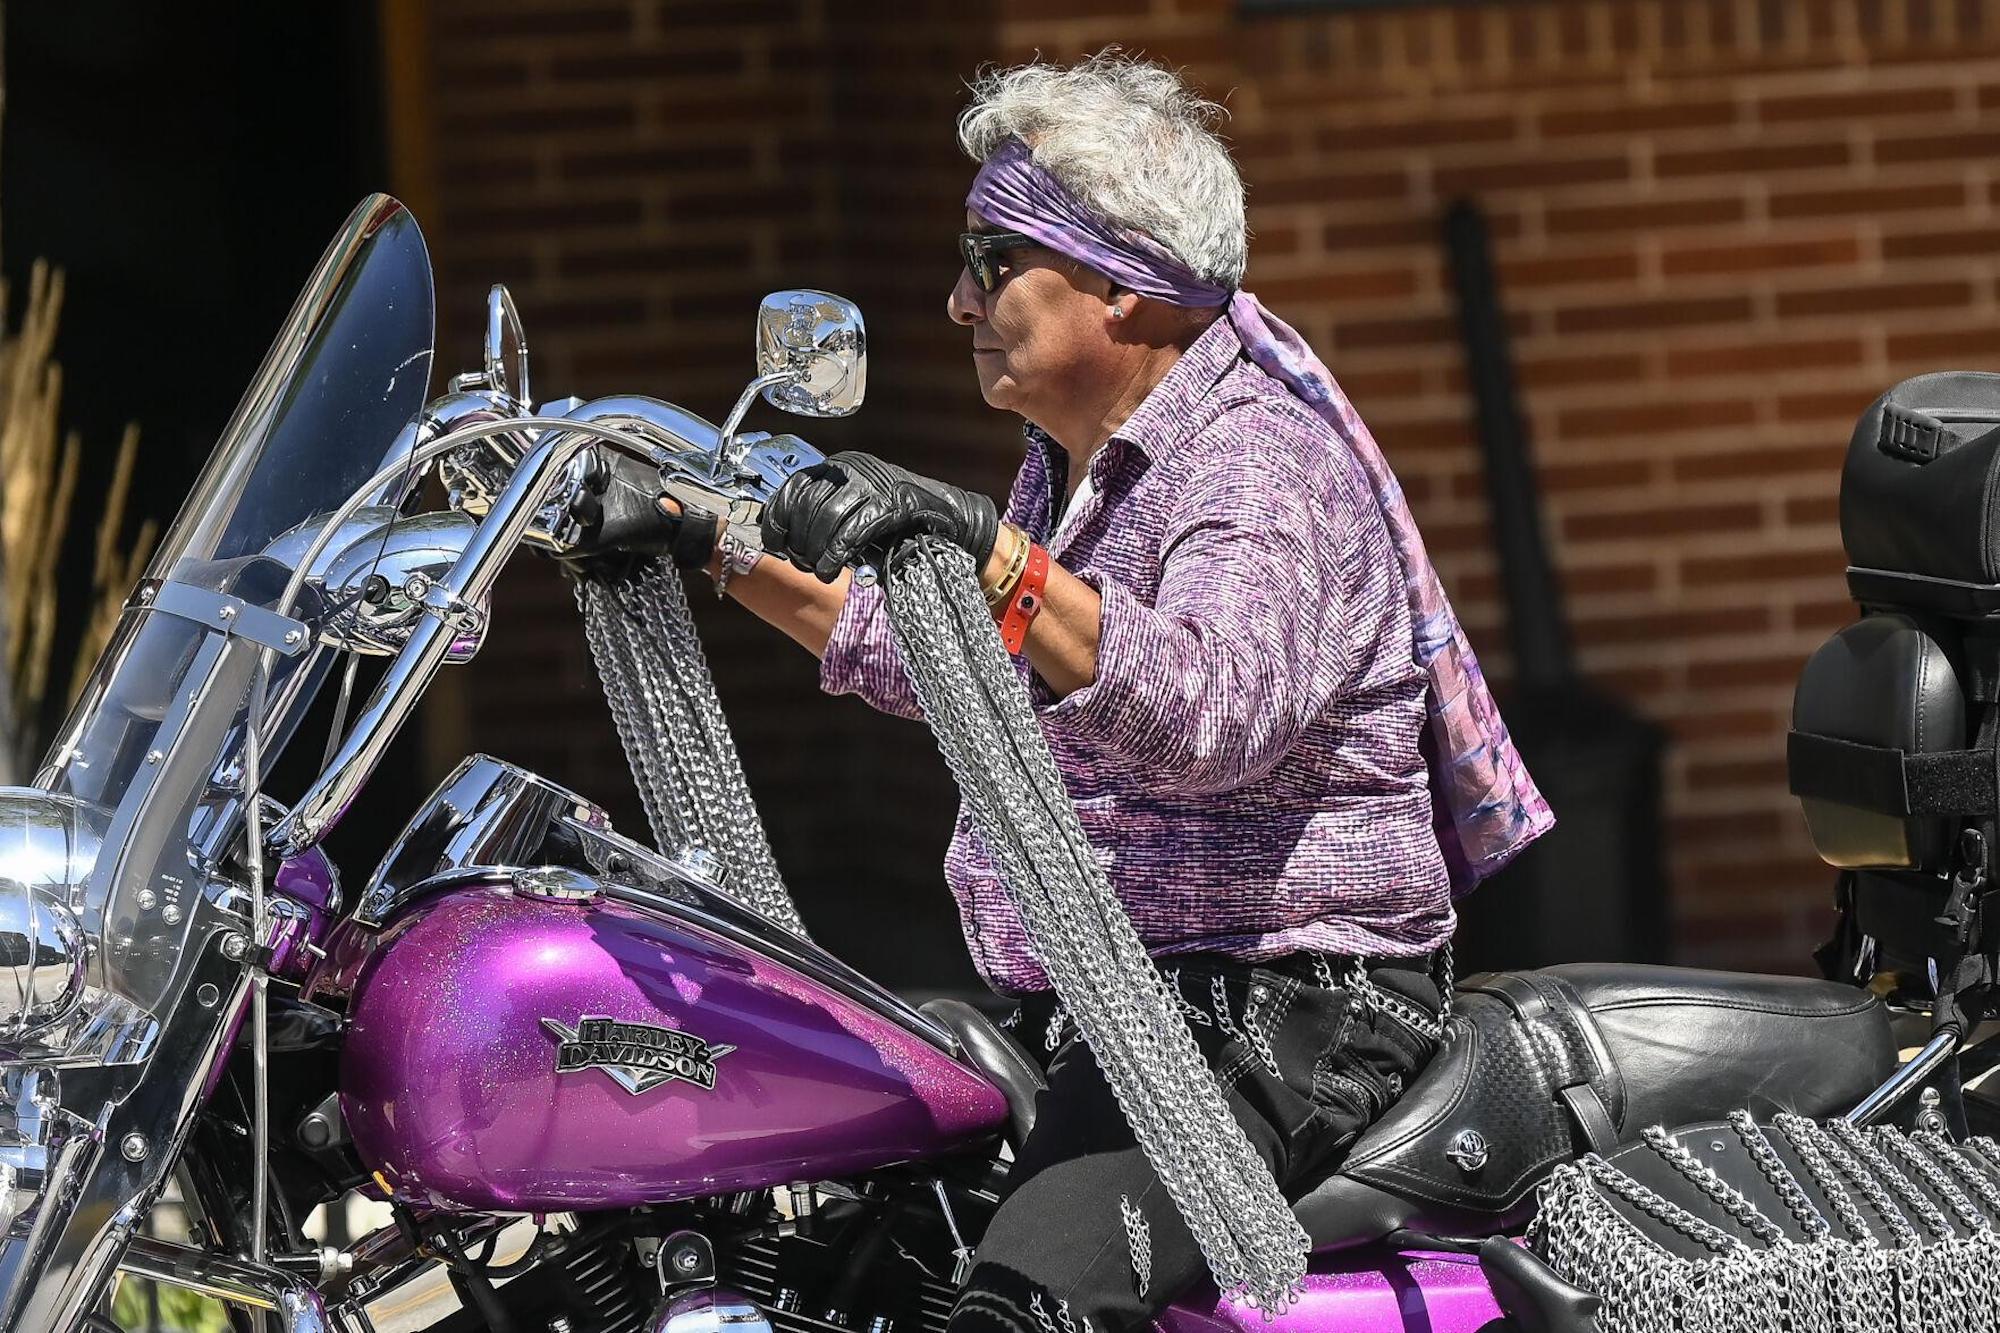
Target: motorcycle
<point>598,1088</point>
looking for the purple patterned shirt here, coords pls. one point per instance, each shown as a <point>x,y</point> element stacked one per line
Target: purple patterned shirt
<point>1246,762</point>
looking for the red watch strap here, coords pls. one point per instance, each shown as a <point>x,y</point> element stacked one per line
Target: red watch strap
<point>1026,602</point>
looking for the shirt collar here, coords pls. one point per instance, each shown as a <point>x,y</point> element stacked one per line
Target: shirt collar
<point>1165,419</point>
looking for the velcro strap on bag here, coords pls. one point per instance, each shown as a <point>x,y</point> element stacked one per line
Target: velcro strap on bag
<point>1891,781</point>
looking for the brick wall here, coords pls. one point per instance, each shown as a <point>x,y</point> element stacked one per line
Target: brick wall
<point>1722,229</point>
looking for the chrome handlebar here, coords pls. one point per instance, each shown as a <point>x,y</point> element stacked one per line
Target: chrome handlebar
<point>680,443</point>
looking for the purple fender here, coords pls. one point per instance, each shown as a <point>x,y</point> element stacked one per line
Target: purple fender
<point>466,1004</point>
<point>1358,1291</point>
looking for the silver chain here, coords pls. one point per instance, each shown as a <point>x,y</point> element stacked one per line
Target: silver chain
<point>1078,930</point>
<point>1586,1228</point>
<point>1776,1174</point>
<point>676,740</point>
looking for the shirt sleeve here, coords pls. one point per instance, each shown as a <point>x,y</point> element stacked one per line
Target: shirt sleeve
<point>861,656</point>
<point>1245,645</point>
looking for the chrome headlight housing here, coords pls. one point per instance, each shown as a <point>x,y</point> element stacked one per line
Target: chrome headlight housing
<point>48,848</point>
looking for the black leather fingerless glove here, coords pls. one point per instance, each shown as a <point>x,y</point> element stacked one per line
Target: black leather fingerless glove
<point>623,515</point>
<point>855,506</point>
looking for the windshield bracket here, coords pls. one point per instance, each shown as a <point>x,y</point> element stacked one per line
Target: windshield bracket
<point>232,615</point>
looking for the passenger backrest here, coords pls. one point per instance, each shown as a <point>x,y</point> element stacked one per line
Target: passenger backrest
<point>1894,720</point>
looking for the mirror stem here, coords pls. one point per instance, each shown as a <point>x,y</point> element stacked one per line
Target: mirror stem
<point>725,443</point>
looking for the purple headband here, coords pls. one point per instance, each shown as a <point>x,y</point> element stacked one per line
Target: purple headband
<point>1485,805</point>
<point>1013,193</point>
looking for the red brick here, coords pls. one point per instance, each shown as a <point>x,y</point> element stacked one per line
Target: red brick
<point>1379,282</point>
<point>1626,118</point>
<point>1690,261</point>
<point>1566,270</point>
<point>1949,348</point>
<point>1589,580</point>
<point>1362,334</point>
<point>1661,418</point>
<point>1664,213</point>
<point>1551,372</point>
<point>1762,358</point>
<point>1609,474</point>
<point>1755,460</point>
<point>1961,243</point>
<point>678,62</point>
<point>1959,146</point>
<point>1430,131</point>
<point>1645,524</point>
<point>1670,625</point>
<point>1832,405</point>
<point>1642,315</point>
<point>1762,567</point>
<point>1873,298</point>
<point>1864,202</point>
<point>1331,187</point>
<point>1539,172</point>
<point>1873,104</point>
<point>1748,158</point>
<point>1810,510</point>
<point>1408,229</point>
<point>663,258</point>
<point>713,155</point>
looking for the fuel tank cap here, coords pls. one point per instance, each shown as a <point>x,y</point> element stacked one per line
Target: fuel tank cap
<point>556,884</point>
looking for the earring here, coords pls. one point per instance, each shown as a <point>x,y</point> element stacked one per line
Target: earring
<point>1116,311</point>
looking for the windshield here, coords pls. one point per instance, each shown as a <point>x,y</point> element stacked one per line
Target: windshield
<point>158,734</point>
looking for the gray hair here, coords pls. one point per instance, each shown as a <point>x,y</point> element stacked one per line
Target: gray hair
<point>1132,142</point>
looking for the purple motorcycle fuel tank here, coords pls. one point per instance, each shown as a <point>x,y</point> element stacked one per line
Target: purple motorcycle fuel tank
<point>512,1051</point>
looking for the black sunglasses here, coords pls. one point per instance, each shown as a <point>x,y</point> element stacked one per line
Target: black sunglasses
<point>981,251</point>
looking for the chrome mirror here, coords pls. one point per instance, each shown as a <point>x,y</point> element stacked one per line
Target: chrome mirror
<point>503,329</point>
<point>382,573</point>
<point>812,353</point>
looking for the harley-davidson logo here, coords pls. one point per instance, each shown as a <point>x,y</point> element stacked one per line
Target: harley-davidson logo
<point>637,1056</point>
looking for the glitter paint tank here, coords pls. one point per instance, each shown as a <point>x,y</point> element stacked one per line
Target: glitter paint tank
<point>512,1053</point>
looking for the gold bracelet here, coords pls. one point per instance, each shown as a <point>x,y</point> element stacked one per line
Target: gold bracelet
<point>1017,560</point>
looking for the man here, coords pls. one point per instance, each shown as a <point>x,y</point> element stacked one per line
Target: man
<point>1236,647</point>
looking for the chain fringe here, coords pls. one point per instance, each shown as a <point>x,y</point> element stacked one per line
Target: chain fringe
<point>1844,1278</point>
<point>676,740</point>
<point>1079,931</point>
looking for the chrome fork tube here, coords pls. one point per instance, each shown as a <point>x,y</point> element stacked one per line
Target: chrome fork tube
<point>496,538</point>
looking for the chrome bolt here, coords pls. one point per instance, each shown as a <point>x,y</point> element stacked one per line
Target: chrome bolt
<point>155,756</point>
<point>171,914</point>
<point>206,995</point>
<point>134,1147</point>
<point>1715,1145</point>
<point>235,947</point>
<point>147,900</point>
<point>686,1259</point>
<point>293,636</point>
<point>227,613</point>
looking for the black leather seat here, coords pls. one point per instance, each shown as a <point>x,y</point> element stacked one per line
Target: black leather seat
<point>993,1049</point>
<point>1540,1067</point>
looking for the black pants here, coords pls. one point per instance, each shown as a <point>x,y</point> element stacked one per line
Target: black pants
<point>1087,1239</point>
